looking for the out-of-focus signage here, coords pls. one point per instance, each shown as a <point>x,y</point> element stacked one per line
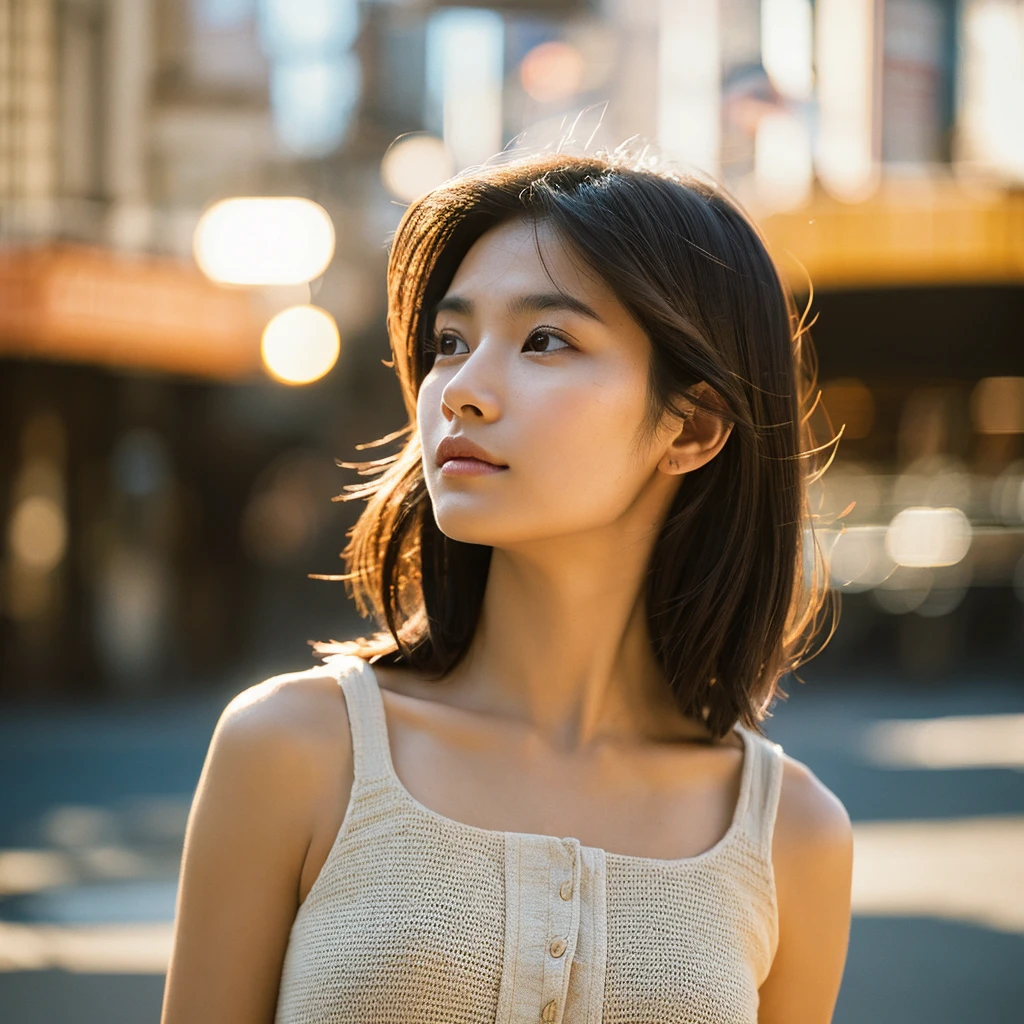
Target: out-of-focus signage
<point>916,232</point>
<point>92,305</point>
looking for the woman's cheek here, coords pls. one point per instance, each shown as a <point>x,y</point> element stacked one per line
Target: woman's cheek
<point>578,461</point>
<point>428,405</point>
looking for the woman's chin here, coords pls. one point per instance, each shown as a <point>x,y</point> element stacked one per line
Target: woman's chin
<point>479,528</point>
<point>477,533</point>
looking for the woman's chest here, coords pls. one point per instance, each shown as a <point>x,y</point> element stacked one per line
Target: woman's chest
<point>664,803</point>
<point>416,920</point>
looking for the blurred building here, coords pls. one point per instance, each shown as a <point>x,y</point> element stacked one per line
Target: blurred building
<point>165,481</point>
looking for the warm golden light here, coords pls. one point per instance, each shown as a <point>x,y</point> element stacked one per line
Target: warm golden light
<point>415,164</point>
<point>300,345</point>
<point>926,537</point>
<point>264,241</point>
<point>142,948</point>
<point>958,869</point>
<point>33,870</point>
<point>997,405</point>
<point>552,72</point>
<point>953,742</point>
<point>38,532</point>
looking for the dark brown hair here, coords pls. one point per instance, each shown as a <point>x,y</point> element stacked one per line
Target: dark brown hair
<point>735,591</point>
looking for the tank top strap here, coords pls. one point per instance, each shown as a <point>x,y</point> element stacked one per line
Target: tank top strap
<point>371,752</point>
<point>765,784</point>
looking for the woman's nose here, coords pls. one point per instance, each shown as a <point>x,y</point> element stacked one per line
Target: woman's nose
<point>470,393</point>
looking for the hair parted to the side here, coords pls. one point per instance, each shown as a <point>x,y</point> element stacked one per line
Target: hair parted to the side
<point>736,591</point>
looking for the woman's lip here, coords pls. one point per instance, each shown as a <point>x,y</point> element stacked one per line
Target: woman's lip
<point>469,467</point>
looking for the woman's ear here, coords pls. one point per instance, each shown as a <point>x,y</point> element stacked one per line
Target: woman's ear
<point>698,436</point>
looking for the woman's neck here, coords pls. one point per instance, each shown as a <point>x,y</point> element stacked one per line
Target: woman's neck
<point>562,643</point>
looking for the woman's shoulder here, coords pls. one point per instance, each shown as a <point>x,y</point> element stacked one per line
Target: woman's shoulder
<point>810,816</point>
<point>292,718</point>
<point>812,850</point>
<point>257,835</point>
<point>812,855</point>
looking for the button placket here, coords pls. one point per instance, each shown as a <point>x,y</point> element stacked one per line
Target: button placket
<point>565,920</point>
<point>541,927</point>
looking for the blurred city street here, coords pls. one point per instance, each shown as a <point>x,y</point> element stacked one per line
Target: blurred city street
<point>197,201</point>
<point>92,830</point>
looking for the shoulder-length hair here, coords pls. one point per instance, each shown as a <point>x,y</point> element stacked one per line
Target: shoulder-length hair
<point>735,591</point>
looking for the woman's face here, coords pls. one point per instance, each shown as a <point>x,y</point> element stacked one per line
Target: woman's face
<point>554,389</point>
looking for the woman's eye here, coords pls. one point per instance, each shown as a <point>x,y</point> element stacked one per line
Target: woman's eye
<point>544,341</point>
<point>446,345</point>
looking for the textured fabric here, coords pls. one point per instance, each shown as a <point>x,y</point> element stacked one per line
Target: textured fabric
<point>419,918</point>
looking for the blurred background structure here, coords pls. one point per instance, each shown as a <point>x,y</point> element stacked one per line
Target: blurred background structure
<point>195,202</point>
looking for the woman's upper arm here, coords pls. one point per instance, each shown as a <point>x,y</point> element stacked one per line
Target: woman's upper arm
<point>249,829</point>
<point>813,858</point>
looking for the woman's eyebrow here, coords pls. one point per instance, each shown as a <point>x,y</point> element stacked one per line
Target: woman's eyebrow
<point>535,303</point>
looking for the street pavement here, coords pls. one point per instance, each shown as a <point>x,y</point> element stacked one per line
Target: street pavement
<point>94,802</point>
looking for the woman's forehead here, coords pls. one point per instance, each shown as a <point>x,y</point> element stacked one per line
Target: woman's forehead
<point>525,255</point>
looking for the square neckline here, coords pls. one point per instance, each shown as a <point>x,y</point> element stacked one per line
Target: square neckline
<point>735,824</point>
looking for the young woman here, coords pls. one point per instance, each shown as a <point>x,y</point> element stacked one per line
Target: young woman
<point>541,791</point>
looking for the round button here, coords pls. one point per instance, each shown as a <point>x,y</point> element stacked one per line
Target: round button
<point>557,946</point>
<point>565,890</point>
<point>548,1013</point>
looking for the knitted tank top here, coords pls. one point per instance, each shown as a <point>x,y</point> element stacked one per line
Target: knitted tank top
<point>416,917</point>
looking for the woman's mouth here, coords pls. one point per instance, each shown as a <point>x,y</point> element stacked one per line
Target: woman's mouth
<point>469,467</point>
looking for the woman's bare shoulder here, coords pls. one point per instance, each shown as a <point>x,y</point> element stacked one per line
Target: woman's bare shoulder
<point>289,709</point>
<point>274,763</point>
<point>812,854</point>
<point>810,816</point>
<point>291,732</point>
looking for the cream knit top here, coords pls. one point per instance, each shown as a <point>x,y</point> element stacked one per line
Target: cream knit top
<point>419,919</point>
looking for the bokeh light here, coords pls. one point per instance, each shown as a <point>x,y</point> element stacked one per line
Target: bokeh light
<point>922,537</point>
<point>301,344</point>
<point>783,165</point>
<point>846,35</point>
<point>859,559</point>
<point>997,405</point>
<point>415,164</point>
<point>952,742</point>
<point>38,532</point>
<point>552,72</point>
<point>264,241</point>
<point>465,77</point>
<point>786,46</point>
